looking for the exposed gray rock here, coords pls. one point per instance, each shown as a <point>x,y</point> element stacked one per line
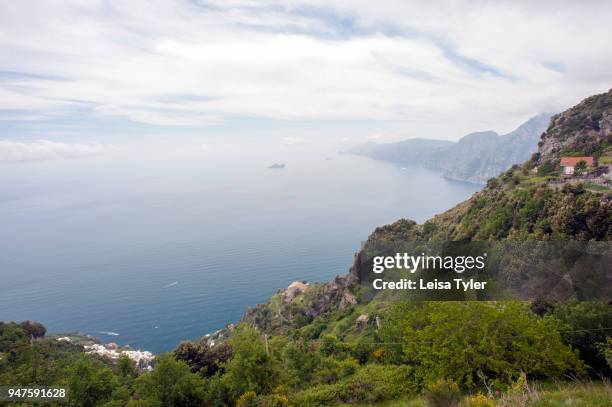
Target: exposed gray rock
<point>361,322</point>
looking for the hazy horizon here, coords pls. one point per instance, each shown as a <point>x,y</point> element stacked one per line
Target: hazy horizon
<point>87,72</point>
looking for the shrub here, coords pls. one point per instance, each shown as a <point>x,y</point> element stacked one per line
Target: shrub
<point>605,349</point>
<point>90,382</point>
<point>370,384</point>
<point>581,167</point>
<point>378,353</point>
<point>493,183</point>
<point>273,400</point>
<point>477,342</point>
<point>442,393</point>
<point>171,383</point>
<point>332,370</point>
<point>478,400</point>
<point>200,358</point>
<point>247,399</point>
<point>250,368</point>
<point>329,344</point>
<point>298,362</point>
<point>546,168</point>
<point>585,329</point>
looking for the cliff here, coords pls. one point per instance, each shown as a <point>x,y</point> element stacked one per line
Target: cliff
<point>480,156</point>
<point>585,129</point>
<point>475,158</point>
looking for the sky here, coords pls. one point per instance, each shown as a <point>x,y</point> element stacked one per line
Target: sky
<point>76,76</point>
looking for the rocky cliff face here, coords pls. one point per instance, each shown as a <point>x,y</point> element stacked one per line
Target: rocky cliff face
<point>580,130</point>
<point>290,308</point>
<point>470,159</point>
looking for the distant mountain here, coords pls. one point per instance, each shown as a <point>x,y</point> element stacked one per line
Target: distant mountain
<point>411,151</point>
<point>476,157</point>
<point>483,155</point>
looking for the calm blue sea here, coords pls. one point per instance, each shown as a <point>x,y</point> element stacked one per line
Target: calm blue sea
<point>160,244</point>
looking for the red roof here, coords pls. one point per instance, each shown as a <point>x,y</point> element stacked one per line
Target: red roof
<point>572,161</point>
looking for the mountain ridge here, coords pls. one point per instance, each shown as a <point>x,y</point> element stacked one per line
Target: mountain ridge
<point>475,157</point>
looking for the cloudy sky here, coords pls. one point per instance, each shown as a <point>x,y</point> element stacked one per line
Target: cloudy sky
<point>88,71</point>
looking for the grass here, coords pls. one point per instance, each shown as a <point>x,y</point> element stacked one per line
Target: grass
<point>574,394</point>
<point>597,188</point>
<point>533,180</point>
<point>537,180</point>
<point>605,160</point>
<point>403,402</point>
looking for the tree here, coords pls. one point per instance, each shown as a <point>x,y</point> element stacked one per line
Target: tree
<point>90,383</point>
<point>586,324</point>
<point>493,183</point>
<point>11,336</point>
<point>476,342</point>
<point>126,367</point>
<point>207,361</point>
<point>580,167</point>
<point>33,329</point>
<point>546,168</point>
<point>299,362</point>
<point>250,368</point>
<point>170,384</point>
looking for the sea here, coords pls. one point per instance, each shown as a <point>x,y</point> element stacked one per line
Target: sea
<point>152,244</point>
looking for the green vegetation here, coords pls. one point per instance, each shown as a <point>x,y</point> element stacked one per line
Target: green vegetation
<point>434,350</point>
<point>516,212</point>
<point>597,188</point>
<point>579,394</point>
<point>482,343</point>
<point>335,344</point>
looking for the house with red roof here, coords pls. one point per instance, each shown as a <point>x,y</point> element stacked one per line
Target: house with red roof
<point>569,163</point>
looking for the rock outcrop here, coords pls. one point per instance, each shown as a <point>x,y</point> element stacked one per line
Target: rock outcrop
<point>361,322</point>
<point>580,129</point>
<point>294,289</point>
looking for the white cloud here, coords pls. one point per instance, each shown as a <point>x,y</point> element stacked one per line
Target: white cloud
<point>11,151</point>
<point>294,140</point>
<point>462,65</point>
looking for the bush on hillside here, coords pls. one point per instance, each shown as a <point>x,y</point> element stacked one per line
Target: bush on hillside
<point>442,393</point>
<point>477,343</point>
<point>370,384</point>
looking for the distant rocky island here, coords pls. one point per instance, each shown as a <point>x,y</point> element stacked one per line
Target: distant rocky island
<point>475,158</point>
<point>277,166</point>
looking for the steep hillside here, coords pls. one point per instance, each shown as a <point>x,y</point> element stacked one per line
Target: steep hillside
<point>585,129</point>
<point>532,201</point>
<point>518,205</point>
